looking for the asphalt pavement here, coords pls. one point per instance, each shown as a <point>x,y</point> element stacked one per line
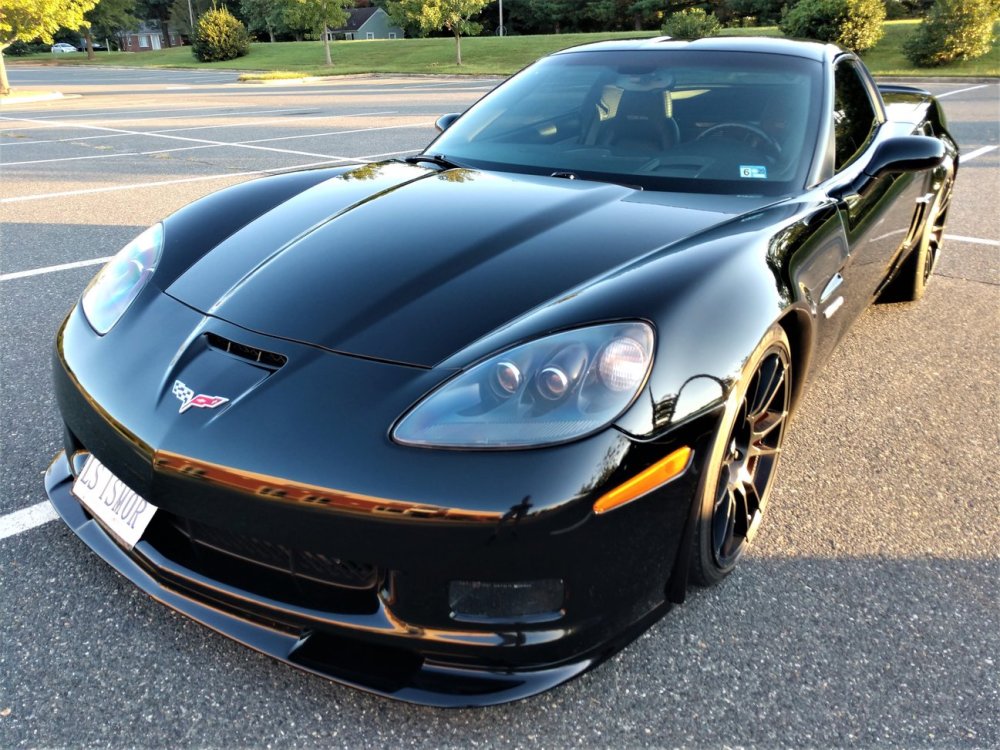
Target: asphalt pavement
<point>867,613</point>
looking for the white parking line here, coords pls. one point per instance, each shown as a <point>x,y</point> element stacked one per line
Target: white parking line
<point>178,181</point>
<point>962,91</point>
<point>50,269</point>
<point>248,123</point>
<point>973,240</point>
<point>74,158</point>
<point>170,130</point>
<point>341,132</point>
<point>115,188</point>
<point>117,110</point>
<point>26,518</point>
<point>211,144</point>
<point>977,153</point>
<point>180,138</point>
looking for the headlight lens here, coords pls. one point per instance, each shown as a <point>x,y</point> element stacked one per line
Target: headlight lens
<point>547,391</point>
<point>120,281</point>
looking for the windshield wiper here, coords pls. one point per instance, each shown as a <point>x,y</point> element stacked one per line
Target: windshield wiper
<point>435,159</point>
<point>592,178</point>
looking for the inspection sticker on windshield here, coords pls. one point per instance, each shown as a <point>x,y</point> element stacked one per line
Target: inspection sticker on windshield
<point>758,173</point>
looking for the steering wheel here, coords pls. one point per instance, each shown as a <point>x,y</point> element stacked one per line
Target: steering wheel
<point>772,148</point>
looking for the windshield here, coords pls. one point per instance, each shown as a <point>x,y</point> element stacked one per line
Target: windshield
<point>698,121</point>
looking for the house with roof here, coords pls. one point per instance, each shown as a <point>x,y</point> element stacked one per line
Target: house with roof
<point>147,37</point>
<point>366,23</point>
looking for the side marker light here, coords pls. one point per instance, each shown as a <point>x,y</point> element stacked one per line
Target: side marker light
<point>647,480</point>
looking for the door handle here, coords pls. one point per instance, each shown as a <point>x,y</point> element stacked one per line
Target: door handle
<point>831,286</point>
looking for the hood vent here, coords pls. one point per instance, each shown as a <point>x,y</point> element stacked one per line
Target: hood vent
<point>267,359</point>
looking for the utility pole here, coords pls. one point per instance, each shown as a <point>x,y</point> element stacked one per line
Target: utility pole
<point>501,17</point>
<point>191,16</point>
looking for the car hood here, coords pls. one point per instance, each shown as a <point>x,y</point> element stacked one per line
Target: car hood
<point>409,265</point>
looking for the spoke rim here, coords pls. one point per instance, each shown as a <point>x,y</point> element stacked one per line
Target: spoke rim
<point>936,233</point>
<point>751,453</point>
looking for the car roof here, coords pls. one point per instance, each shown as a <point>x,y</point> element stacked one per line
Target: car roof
<point>763,44</point>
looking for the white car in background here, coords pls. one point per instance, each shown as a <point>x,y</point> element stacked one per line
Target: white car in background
<point>63,47</point>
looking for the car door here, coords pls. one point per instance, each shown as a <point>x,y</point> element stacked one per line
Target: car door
<point>876,212</point>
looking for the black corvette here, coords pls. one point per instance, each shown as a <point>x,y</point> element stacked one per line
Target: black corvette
<point>455,428</point>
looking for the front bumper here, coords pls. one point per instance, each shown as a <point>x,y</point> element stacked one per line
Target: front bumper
<point>393,672</point>
<point>397,636</point>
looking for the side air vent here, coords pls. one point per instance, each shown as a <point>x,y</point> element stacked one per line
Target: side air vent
<point>250,354</point>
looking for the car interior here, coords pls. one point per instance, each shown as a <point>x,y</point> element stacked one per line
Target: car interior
<point>656,122</point>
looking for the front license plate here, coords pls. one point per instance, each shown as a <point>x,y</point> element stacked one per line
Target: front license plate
<point>124,513</point>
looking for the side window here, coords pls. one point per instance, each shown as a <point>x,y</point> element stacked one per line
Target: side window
<point>854,118</point>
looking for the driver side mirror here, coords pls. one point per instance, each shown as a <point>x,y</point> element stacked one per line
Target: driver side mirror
<point>907,153</point>
<point>444,121</point>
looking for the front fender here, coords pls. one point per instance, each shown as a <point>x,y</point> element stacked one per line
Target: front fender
<point>706,330</point>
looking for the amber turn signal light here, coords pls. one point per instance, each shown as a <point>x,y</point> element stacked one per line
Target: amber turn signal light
<point>649,479</point>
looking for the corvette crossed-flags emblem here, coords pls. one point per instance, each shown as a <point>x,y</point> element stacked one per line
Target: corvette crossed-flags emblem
<point>188,398</point>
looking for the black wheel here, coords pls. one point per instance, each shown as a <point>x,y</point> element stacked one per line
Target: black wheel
<point>741,467</point>
<point>914,275</point>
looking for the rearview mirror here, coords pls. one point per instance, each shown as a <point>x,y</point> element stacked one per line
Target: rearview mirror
<point>444,121</point>
<point>906,153</point>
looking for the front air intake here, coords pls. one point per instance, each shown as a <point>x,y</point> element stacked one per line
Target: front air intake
<point>261,357</point>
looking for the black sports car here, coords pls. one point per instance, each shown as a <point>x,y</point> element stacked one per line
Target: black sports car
<point>454,428</point>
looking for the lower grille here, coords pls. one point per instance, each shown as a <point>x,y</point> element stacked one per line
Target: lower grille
<point>313,566</point>
<point>284,574</point>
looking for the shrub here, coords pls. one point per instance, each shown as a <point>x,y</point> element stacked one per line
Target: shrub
<point>862,28</point>
<point>855,24</point>
<point>691,23</point>
<point>19,48</point>
<point>952,30</point>
<point>760,12</point>
<point>220,36</point>
<point>895,9</point>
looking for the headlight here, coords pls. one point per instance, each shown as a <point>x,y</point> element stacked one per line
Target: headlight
<point>547,391</point>
<point>120,281</point>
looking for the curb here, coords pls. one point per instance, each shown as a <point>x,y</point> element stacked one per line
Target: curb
<point>280,81</point>
<point>7,101</point>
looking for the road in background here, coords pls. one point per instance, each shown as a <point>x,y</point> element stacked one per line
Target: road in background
<point>866,614</point>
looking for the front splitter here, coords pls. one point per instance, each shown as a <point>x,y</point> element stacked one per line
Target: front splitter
<point>400,674</point>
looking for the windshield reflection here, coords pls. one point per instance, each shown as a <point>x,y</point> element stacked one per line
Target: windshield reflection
<point>717,122</point>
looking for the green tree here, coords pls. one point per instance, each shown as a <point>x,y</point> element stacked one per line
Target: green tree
<point>184,15</point>
<point>432,15</point>
<point>691,23</point>
<point>265,15</point>
<point>754,12</point>
<point>647,12</point>
<point>953,30</point>
<point>318,16</point>
<point>855,24</point>
<point>107,19</point>
<point>863,26</point>
<point>25,20</point>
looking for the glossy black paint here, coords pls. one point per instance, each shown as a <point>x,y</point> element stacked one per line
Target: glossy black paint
<point>369,287</point>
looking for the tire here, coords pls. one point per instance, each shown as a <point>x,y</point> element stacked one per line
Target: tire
<point>737,478</point>
<point>915,273</point>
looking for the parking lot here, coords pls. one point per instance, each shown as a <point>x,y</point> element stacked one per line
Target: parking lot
<point>867,613</point>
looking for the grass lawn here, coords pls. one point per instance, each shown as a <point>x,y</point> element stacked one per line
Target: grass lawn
<point>481,55</point>
<point>886,58</point>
